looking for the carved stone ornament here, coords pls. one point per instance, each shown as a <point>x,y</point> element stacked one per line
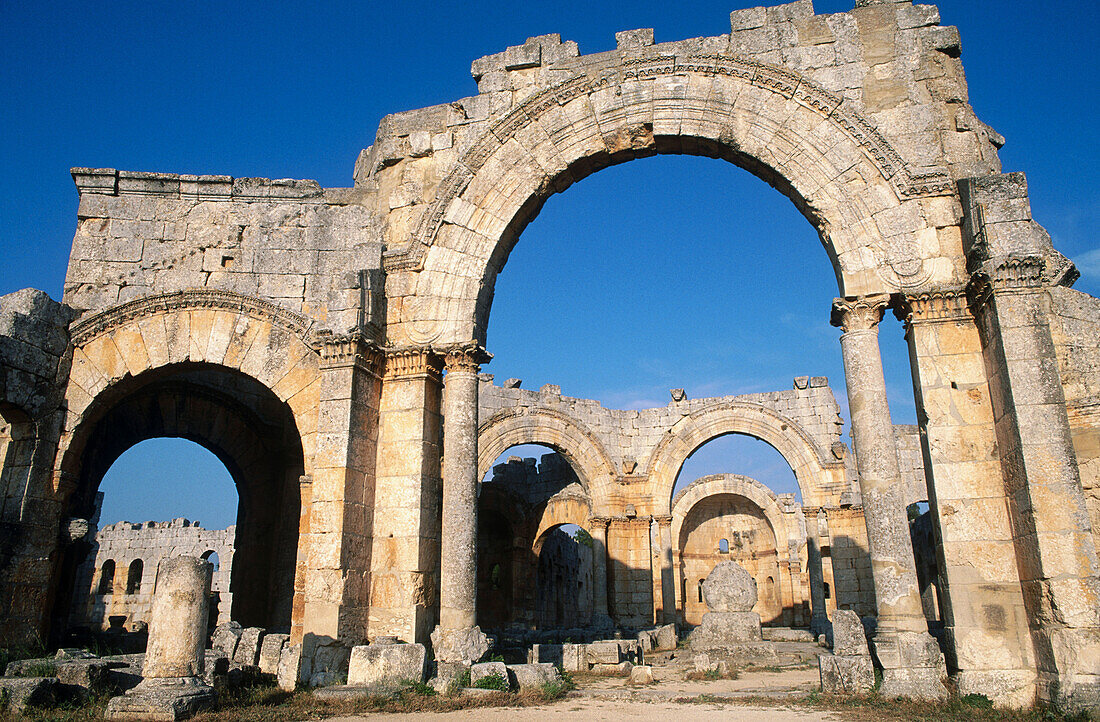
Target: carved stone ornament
<point>466,359</point>
<point>862,313</point>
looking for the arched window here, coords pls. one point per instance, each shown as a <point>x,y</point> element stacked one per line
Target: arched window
<point>107,577</point>
<point>212,557</point>
<point>723,546</point>
<point>494,576</point>
<point>133,577</point>
<point>700,590</point>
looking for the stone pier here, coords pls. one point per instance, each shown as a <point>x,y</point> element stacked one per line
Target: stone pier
<point>910,657</point>
<point>172,687</point>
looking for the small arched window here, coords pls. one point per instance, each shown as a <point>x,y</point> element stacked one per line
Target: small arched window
<point>700,590</point>
<point>133,577</point>
<point>494,576</point>
<point>212,557</point>
<point>723,546</point>
<point>107,577</point>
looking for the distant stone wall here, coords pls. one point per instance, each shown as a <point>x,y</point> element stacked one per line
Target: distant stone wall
<point>118,547</point>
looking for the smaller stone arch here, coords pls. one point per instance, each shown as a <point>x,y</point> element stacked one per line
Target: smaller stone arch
<point>734,484</point>
<point>133,576</point>
<point>567,436</point>
<point>107,578</point>
<point>820,480</point>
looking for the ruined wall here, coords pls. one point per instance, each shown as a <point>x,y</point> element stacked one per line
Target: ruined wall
<point>1076,333</point>
<point>150,542</point>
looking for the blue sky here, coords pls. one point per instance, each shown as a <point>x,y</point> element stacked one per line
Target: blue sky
<point>660,273</point>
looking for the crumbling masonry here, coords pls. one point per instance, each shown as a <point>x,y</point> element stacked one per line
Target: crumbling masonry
<point>326,341</point>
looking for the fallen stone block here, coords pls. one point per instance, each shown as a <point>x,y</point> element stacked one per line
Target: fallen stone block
<point>647,638</point>
<point>667,637</point>
<point>532,676</point>
<point>270,651</point>
<point>161,699</point>
<point>248,647</point>
<point>641,674</point>
<point>290,667</point>
<point>787,634</point>
<point>574,657</point>
<point>552,653</point>
<point>606,652</point>
<point>846,674</point>
<point>85,675</point>
<point>226,637</point>
<point>24,692</point>
<point>386,664</point>
<point>479,672</point>
<point>622,669</point>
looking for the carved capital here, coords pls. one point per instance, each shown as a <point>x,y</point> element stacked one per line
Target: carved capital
<point>934,306</point>
<point>1010,274</point>
<point>466,359</point>
<point>413,362</point>
<point>861,313</point>
<point>597,521</point>
<point>663,519</point>
<point>350,350</point>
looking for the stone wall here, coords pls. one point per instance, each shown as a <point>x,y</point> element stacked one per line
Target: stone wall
<point>120,545</point>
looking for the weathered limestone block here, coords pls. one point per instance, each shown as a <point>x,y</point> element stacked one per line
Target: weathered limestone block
<point>552,653</point>
<point>846,675</point>
<point>24,692</point>
<point>729,588</point>
<point>722,629</point>
<point>324,662</point>
<point>173,687</point>
<point>786,634</point>
<point>386,664</point>
<point>226,637</point>
<point>248,648</point>
<point>606,652</point>
<point>488,669</point>
<point>848,670</point>
<point>574,657</point>
<point>667,637</point>
<point>647,638</point>
<point>532,676</point>
<point>622,669</point>
<point>459,645</point>
<point>641,674</point>
<point>271,650</point>
<point>630,650</point>
<point>83,674</point>
<point>290,667</point>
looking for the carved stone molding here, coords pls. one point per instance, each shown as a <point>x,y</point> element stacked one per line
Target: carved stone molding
<point>934,306</point>
<point>597,520</point>
<point>862,313</point>
<point>350,350</point>
<point>663,519</point>
<point>413,362</point>
<point>466,359</point>
<point>1011,274</point>
<point>91,326</point>
<point>790,85</point>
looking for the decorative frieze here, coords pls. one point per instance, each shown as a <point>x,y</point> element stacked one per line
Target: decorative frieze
<point>411,362</point>
<point>934,306</point>
<point>342,351</point>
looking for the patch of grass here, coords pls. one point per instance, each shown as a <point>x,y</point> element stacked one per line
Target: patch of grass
<point>712,675</point>
<point>18,652</point>
<point>414,687</point>
<point>38,669</point>
<point>967,708</point>
<point>492,681</point>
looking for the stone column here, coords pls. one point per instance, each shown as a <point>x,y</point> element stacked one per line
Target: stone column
<point>668,584</point>
<point>598,530</point>
<point>458,638</point>
<point>172,685</point>
<point>982,601</point>
<point>910,657</point>
<point>819,618</point>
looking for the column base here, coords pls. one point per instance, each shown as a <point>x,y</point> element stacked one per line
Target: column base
<point>459,645</point>
<point>912,665</point>
<point>162,699</point>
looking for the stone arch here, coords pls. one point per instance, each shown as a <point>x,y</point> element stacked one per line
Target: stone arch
<point>561,510</point>
<point>819,480</point>
<point>133,576</point>
<point>835,166</point>
<point>565,435</point>
<point>734,484</point>
<point>235,375</point>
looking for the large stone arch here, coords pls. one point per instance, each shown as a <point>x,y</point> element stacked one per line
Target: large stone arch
<point>837,168</point>
<point>567,436</point>
<point>821,481</point>
<point>234,374</point>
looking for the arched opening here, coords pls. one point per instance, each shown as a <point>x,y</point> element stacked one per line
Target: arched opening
<point>531,573</point>
<point>210,422</point>
<point>133,577</point>
<point>107,578</point>
<point>731,527</point>
<point>740,454</point>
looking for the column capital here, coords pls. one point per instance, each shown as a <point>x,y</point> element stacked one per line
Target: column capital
<point>598,520</point>
<point>1007,274</point>
<point>413,361</point>
<point>350,349</point>
<point>466,358</point>
<point>939,305</point>
<point>859,313</point>
<point>663,519</point>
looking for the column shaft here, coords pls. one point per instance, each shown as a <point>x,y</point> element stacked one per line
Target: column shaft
<point>598,530</point>
<point>458,550</point>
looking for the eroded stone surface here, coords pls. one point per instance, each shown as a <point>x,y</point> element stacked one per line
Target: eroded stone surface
<point>386,664</point>
<point>729,588</point>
